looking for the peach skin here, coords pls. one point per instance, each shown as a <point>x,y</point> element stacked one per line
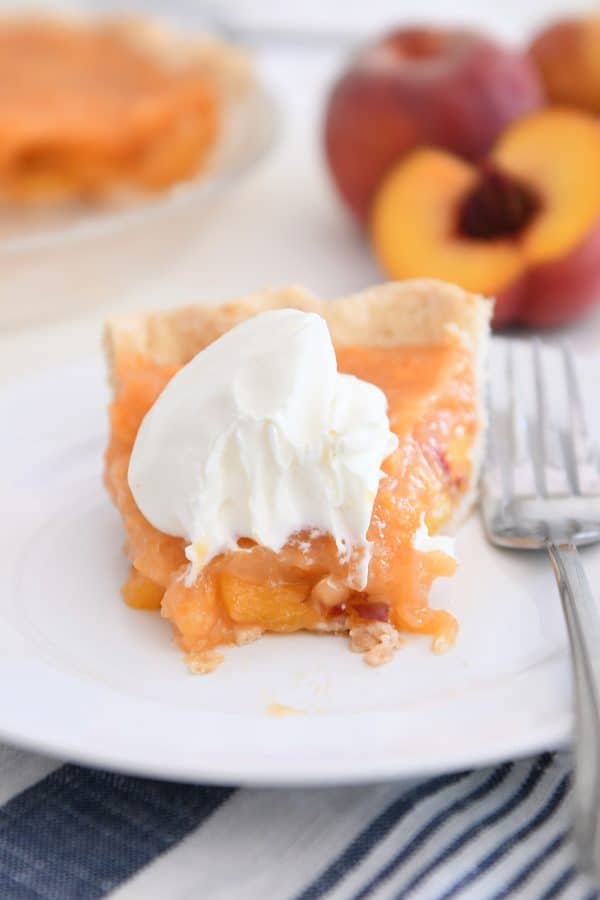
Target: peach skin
<point>567,55</point>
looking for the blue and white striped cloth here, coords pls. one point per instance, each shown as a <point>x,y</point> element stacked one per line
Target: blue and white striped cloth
<point>70,833</point>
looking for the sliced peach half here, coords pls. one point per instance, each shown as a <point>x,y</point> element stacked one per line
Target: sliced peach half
<point>524,226</point>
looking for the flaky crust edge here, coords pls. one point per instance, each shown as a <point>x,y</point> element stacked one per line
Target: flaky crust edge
<point>417,311</point>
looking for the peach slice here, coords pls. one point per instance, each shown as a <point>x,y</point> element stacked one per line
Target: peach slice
<point>524,226</point>
<point>141,593</point>
<point>197,613</point>
<point>277,607</point>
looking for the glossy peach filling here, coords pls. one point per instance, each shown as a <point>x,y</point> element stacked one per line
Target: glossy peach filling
<point>242,593</point>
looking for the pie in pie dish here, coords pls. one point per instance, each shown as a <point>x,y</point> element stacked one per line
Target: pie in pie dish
<point>102,107</point>
<point>417,352</point>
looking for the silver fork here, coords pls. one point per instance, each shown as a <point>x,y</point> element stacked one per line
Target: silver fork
<point>541,490</point>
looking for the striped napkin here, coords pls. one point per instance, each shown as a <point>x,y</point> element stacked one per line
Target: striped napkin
<point>71,833</point>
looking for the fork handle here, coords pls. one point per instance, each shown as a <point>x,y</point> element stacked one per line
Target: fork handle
<point>583,625</point>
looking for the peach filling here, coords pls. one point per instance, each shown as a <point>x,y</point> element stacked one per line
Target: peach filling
<point>251,589</point>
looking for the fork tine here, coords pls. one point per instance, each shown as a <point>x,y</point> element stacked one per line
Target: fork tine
<point>554,472</point>
<point>526,497</point>
<point>576,436</point>
<point>541,418</point>
<point>498,459</point>
<point>522,474</point>
<point>584,460</point>
<point>576,411</point>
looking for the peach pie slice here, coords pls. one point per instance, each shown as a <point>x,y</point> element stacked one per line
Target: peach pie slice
<point>216,426</point>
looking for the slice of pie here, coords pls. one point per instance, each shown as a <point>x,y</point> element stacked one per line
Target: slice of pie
<point>422,343</point>
<point>92,108</point>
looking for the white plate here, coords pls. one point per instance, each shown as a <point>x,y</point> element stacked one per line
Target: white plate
<point>85,678</point>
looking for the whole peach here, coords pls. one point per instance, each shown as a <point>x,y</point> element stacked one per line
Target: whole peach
<point>567,55</point>
<point>455,89</point>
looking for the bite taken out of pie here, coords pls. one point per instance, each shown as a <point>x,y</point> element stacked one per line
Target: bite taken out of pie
<point>282,463</point>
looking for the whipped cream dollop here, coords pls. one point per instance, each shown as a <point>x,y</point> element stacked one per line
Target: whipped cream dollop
<point>259,436</point>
